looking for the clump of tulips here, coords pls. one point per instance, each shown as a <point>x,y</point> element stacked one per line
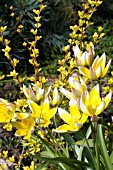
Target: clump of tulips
<point>43,110</point>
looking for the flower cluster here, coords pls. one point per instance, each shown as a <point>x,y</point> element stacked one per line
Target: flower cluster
<point>42,104</point>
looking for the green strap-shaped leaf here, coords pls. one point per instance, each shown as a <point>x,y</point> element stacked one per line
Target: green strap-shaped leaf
<point>43,165</point>
<point>72,163</point>
<point>84,143</point>
<point>70,141</point>
<point>103,149</point>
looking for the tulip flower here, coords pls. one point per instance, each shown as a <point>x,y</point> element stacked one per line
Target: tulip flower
<point>6,111</point>
<point>55,99</point>
<point>29,93</point>
<point>84,59</point>
<point>25,127</point>
<point>21,115</point>
<point>67,93</point>
<point>92,104</point>
<point>77,87</point>
<point>73,120</point>
<point>97,69</point>
<point>37,94</point>
<point>42,112</point>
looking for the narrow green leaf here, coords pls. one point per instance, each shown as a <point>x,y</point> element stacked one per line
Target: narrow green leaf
<point>43,165</point>
<point>84,143</point>
<point>68,161</point>
<point>88,133</point>
<point>103,149</point>
<point>87,156</point>
<point>47,154</point>
<point>80,153</point>
<point>111,157</point>
<point>70,141</point>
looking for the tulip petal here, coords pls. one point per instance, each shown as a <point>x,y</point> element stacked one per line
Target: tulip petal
<point>39,94</point>
<point>22,132</point>
<point>85,72</point>
<point>100,108</point>
<point>93,74</point>
<point>29,122</point>
<point>106,69</point>
<point>51,113</point>
<point>76,50</point>
<point>63,128</point>
<point>83,58</point>
<point>107,99</point>
<point>35,108</point>
<point>98,71</point>
<point>3,101</point>
<point>29,93</point>
<point>55,100</point>
<point>21,115</point>
<point>101,62</point>
<point>94,97</point>
<point>83,84</point>
<point>65,116</point>
<point>19,125</point>
<point>83,107</point>
<point>55,96</point>
<point>76,93</point>
<point>11,106</point>
<point>74,111</point>
<point>66,93</point>
<point>90,57</point>
<point>94,64</point>
<point>45,108</point>
<point>83,118</point>
<point>5,113</point>
<point>74,84</point>
<point>26,91</point>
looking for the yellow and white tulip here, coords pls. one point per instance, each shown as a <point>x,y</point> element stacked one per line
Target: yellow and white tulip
<point>97,70</point>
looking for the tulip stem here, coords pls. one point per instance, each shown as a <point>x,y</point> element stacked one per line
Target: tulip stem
<point>94,126</point>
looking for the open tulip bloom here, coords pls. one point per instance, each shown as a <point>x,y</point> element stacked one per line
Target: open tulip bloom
<point>89,104</point>
<point>6,111</point>
<point>42,112</point>
<point>29,93</point>
<point>97,69</point>
<point>92,104</point>
<point>24,127</point>
<point>73,120</point>
<point>84,59</point>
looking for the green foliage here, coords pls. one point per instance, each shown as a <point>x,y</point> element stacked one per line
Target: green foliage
<point>106,43</point>
<point>23,15</point>
<point>56,19</point>
<point>107,7</point>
